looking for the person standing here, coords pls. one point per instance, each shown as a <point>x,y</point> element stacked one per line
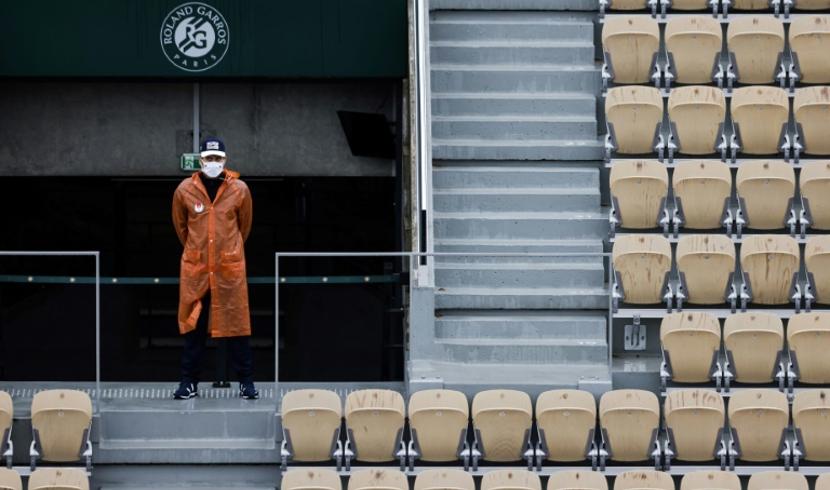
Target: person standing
<point>212,212</point>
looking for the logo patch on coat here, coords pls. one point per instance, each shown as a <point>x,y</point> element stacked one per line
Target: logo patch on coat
<point>198,207</point>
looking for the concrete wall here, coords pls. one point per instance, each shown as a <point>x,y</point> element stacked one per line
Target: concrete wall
<point>283,128</point>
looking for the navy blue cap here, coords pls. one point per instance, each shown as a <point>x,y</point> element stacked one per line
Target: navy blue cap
<point>212,146</point>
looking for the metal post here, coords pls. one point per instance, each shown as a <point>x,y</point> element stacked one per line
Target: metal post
<point>276,320</point>
<point>97,332</point>
<point>197,101</point>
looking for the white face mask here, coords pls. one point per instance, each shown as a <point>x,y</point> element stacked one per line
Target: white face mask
<point>212,169</point>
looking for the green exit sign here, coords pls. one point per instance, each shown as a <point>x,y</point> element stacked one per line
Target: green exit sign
<point>190,162</point>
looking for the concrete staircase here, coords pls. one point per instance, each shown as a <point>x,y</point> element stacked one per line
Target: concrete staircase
<point>515,146</point>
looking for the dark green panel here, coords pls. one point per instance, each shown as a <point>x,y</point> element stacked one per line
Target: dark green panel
<point>266,38</point>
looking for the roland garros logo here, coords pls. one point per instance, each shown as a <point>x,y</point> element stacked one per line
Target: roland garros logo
<point>194,36</point>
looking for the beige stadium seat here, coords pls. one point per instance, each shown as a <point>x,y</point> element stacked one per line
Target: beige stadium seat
<point>706,264</point>
<point>639,189</point>
<point>378,479</point>
<point>633,115</point>
<point>693,47</point>
<point>61,421</point>
<point>766,190</point>
<point>814,183</point>
<point>577,480</point>
<point>643,480</point>
<point>311,479</point>
<point>694,422</point>
<point>642,264</point>
<point>696,115</point>
<point>811,421</point>
<point>710,480</point>
<point>811,5</point>
<point>754,343</point>
<point>502,421</point>
<point>311,425</point>
<point>760,117</point>
<point>444,479</point>
<point>375,420</point>
<point>6,419</point>
<point>759,419</point>
<point>58,479</point>
<point>438,420</point>
<point>823,482</point>
<point>778,480</point>
<point>702,190</point>
<point>690,341</point>
<point>510,480</point>
<point>770,264</point>
<point>808,338</point>
<point>566,420</point>
<point>817,263</point>
<point>630,44</point>
<point>755,44</point>
<point>10,480</point>
<point>809,38</point>
<point>629,420</point>
<point>811,109</point>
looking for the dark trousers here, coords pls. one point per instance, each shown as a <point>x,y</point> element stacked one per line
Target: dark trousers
<point>239,349</point>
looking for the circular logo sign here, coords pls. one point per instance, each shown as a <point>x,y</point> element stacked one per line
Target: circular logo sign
<point>194,36</point>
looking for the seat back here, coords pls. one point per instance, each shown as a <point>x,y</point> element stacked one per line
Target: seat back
<point>777,480</point>
<point>438,417</point>
<point>640,188</point>
<point>642,262</point>
<point>510,480</point>
<point>695,418</point>
<point>756,41</point>
<point>58,479</point>
<point>10,480</point>
<point>378,479</point>
<point>630,41</point>
<point>502,418</point>
<point>697,112</point>
<point>311,479</point>
<point>567,418</point>
<point>750,5</point>
<point>444,479</point>
<point>627,5</point>
<point>760,113</point>
<point>766,187</point>
<point>634,111</point>
<point>375,419</point>
<point>758,417</point>
<point>690,339</point>
<point>577,480</point>
<point>702,186</point>
<point>811,415</point>
<point>629,419</point>
<point>814,183</point>
<point>817,261</point>
<point>769,261</point>
<point>312,419</point>
<point>642,480</point>
<point>809,38</point>
<point>808,337</point>
<point>62,419</point>
<point>6,415</point>
<point>695,42</point>
<point>710,480</point>
<point>754,339</point>
<point>707,262</point>
<point>811,108</point>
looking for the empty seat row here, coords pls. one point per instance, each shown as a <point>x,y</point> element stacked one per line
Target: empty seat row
<point>61,424</point>
<point>751,350</point>
<point>706,271</point>
<point>46,479</point>
<point>757,51</point>
<point>697,122</point>
<point>715,6</point>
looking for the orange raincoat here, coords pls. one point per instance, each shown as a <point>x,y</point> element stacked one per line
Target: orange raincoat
<point>213,236</point>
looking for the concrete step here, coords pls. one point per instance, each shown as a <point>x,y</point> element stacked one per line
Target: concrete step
<point>477,175</point>
<point>516,149</point>
<point>525,351</point>
<point>521,298</point>
<point>448,25</point>
<point>583,224</point>
<point>522,127</point>
<point>519,274</point>
<point>489,324</point>
<point>516,246</point>
<point>515,199</point>
<point>511,52</point>
<point>555,5</point>
<point>512,103</point>
<point>569,77</point>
